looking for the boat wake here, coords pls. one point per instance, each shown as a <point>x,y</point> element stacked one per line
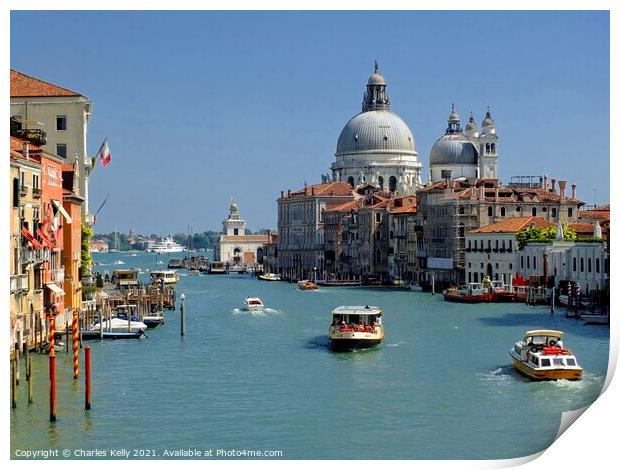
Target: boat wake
<point>256,313</point>
<point>394,345</point>
<point>499,376</point>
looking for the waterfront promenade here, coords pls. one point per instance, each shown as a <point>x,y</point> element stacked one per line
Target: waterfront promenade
<point>438,387</point>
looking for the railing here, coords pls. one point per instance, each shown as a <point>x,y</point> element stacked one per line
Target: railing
<point>57,275</point>
<point>35,256</point>
<point>36,136</point>
<point>19,282</point>
<point>36,192</point>
<point>23,189</point>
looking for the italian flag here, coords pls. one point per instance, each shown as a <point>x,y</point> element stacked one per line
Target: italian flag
<point>104,153</point>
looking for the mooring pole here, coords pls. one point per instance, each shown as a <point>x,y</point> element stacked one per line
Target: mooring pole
<point>26,358</point>
<point>66,337</point>
<point>29,379</point>
<point>52,357</point>
<point>433,284</point>
<point>87,376</point>
<point>553,299</point>
<point>13,384</point>
<point>76,346</point>
<point>182,314</point>
<point>16,358</point>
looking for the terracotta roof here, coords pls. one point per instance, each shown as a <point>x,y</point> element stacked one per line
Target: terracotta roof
<point>602,213</point>
<point>514,225</point>
<point>25,85</point>
<point>17,145</point>
<point>404,210</point>
<point>337,188</point>
<point>583,228</point>
<point>346,207</point>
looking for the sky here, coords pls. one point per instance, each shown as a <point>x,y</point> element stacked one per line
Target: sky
<point>200,107</point>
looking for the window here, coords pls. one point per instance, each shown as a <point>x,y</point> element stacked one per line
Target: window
<point>15,192</point>
<point>381,182</point>
<point>236,231</point>
<point>581,264</point>
<point>61,123</point>
<point>570,211</point>
<point>392,184</point>
<point>351,181</point>
<point>510,266</point>
<point>61,150</point>
<point>22,178</point>
<point>490,211</point>
<point>518,209</point>
<point>554,212</point>
<point>589,265</point>
<point>545,362</point>
<point>378,217</point>
<point>570,361</point>
<point>521,261</point>
<point>533,212</point>
<point>468,277</point>
<point>502,211</point>
<point>534,261</point>
<point>509,245</point>
<point>598,265</point>
<point>575,264</point>
<point>528,262</point>
<point>493,148</point>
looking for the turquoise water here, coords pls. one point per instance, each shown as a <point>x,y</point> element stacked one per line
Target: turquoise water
<point>441,386</point>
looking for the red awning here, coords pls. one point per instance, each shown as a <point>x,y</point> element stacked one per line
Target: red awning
<point>46,240</point>
<point>34,243</point>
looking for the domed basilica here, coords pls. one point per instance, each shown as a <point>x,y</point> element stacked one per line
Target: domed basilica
<point>376,146</point>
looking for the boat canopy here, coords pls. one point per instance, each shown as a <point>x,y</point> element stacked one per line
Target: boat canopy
<point>554,333</point>
<point>356,310</point>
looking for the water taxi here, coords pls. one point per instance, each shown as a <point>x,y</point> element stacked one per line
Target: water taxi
<point>541,355</point>
<point>474,292</point>
<point>217,267</point>
<point>356,327</point>
<point>253,304</point>
<point>269,277</point>
<point>307,285</point>
<point>169,276</point>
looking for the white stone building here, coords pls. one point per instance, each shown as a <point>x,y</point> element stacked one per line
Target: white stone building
<point>236,248</point>
<point>470,154</point>
<point>62,114</point>
<point>376,146</point>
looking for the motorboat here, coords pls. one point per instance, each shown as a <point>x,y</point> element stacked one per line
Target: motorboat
<point>356,327</point>
<point>217,267</point>
<point>126,277</point>
<point>541,355</point>
<point>253,304</point>
<point>120,324</point>
<point>193,272</point>
<point>237,269</point>
<point>501,293</point>
<point>269,277</point>
<point>175,263</point>
<point>307,285</point>
<point>474,292</point>
<point>154,319</point>
<point>169,276</point>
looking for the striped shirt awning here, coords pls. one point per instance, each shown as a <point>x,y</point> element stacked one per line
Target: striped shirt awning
<point>34,243</point>
<point>46,240</point>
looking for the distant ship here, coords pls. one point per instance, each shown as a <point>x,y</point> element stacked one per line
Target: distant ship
<point>167,245</point>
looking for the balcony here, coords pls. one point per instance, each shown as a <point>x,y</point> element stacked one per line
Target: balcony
<point>57,275</point>
<point>19,283</point>
<point>36,192</point>
<point>23,190</point>
<point>34,136</point>
<point>35,256</point>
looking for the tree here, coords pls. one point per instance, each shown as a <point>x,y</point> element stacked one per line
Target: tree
<point>85,257</point>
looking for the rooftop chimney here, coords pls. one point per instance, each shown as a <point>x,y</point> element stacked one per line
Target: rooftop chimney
<point>562,185</point>
<point>289,193</point>
<point>545,181</point>
<point>312,190</point>
<point>25,150</point>
<point>574,191</point>
<point>281,194</point>
<point>553,185</point>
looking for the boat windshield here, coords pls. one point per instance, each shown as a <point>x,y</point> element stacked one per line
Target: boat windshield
<point>540,340</point>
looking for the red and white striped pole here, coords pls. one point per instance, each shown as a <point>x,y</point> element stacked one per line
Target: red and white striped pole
<point>52,321</point>
<point>76,368</point>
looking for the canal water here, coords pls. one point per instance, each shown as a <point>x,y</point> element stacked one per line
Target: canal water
<point>441,386</point>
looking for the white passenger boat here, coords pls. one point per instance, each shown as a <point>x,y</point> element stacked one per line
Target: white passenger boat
<point>356,327</point>
<point>269,277</point>
<point>168,275</point>
<point>253,304</point>
<point>167,245</point>
<point>541,355</point>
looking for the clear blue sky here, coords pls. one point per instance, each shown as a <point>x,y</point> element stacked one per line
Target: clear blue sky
<point>202,106</point>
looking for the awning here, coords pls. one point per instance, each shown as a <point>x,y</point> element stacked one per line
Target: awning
<point>46,240</point>
<point>34,243</point>
<point>54,288</point>
<point>62,210</point>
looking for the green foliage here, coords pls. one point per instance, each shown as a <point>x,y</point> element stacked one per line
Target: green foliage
<point>85,258</point>
<point>544,235</point>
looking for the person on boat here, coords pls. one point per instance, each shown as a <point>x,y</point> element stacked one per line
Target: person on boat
<point>378,320</point>
<point>559,344</point>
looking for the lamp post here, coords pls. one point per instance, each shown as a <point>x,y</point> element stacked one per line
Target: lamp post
<point>182,314</point>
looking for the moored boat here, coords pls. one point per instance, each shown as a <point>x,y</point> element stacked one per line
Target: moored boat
<point>217,267</point>
<point>116,324</point>
<point>474,292</point>
<point>356,327</point>
<point>307,285</point>
<point>169,276</point>
<point>154,319</point>
<point>541,355</point>
<point>253,304</point>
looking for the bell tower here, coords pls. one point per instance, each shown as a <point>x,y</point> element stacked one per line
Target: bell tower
<point>488,142</point>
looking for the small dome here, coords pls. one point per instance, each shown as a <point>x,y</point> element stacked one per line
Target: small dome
<point>376,79</point>
<point>453,149</point>
<point>488,120</point>
<point>376,131</point>
<point>454,116</point>
<point>233,207</point>
<point>471,124</point>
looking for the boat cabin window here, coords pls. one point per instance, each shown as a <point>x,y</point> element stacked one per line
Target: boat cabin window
<point>535,360</point>
<point>545,362</point>
<point>557,361</point>
<point>570,361</point>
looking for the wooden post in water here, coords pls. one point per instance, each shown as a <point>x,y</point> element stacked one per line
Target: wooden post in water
<point>66,337</point>
<point>26,358</point>
<point>182,314</point>
<point>16,358</point>
<point>87,377</point>
<point>76,354</point>
<point>29,379</point>
<point>13,384</point>
<point>52,357</point>
<point>553,299</point>
<point>433,284</point>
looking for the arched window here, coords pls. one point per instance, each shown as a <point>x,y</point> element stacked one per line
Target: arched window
<point>502,211</point>
<point>575,264</point>
<point>581,264</point>
<point>534,261</point>
<point>493,149</point>
<point>490,211</point>
<point>351,181</point>
<point>533,212</point>
<point>392,183</point>
<point>570,211</point>
<point>598,265</point>
<point>487,148</point>
<point>381,182</point>
<point>589,265</point>
<point>378,256</point>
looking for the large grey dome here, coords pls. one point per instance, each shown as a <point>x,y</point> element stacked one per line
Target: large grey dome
<point>376,132</point>
<point>453,149</point>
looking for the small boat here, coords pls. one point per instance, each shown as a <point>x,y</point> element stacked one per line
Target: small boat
<point>541,355</point>
<point>154,319</point>
<point>237,269</point>
<point>474,292</point>
<point>119,324</point>
<point>118,261</point>
<point>96,334</point>
<point>415,287</point>
<point>193,272</point>
<point>356,327</point>
<point>175,263</point>
<point>253,304</point>
<point>169,276</point>
<point>501,294</point>
<point>307,285</point>
<point>269,277</point>
<point>217,267</point>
